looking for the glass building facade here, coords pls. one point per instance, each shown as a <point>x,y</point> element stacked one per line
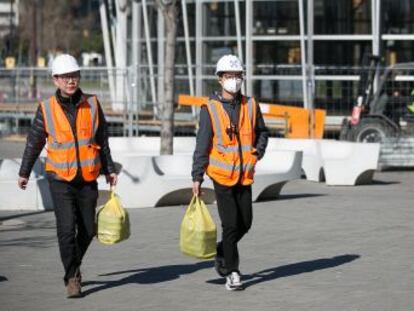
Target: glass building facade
<point>266,34</point>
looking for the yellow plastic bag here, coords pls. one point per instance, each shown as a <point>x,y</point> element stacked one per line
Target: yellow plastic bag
<point>198,231</point>
<point>113,221</point>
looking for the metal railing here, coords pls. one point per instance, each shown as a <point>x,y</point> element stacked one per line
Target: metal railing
<point>132,106</point>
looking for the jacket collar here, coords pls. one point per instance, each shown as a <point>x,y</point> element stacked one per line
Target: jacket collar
<point>217,96</point>
<point>75,99</point>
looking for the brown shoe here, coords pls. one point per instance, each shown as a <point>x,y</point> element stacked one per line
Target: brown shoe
<point>73,288</point>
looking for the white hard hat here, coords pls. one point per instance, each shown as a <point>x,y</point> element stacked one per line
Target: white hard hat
<point>64,63</point>
<point>229,63</point>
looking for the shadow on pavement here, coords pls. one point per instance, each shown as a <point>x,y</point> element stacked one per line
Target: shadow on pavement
<point>298,196</point>
<point>282,197</point>
<point>380,182</point>
<point>18,215</point>
<point>290,270</point>
<point>3,278</point>
<point>397,169</point>
<point>41,241</point>
<point>146,276</point>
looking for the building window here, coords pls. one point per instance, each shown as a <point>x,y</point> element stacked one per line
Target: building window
<point>287,92</point>
<point>341,53</point>
<point>398,16</point>
<point>275,18</point>
<point>219,19</point>
<point>269,55</point>
<point>342,17</point>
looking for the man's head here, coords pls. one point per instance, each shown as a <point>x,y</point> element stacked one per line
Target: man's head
<point>66,74</point>
<point>230,73</point>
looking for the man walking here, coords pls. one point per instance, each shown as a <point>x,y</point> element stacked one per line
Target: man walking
<point>73,125</point>
<point>232,137</point>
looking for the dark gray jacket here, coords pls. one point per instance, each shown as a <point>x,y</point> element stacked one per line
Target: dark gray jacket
<point>205,134</point>
<point>36,139</point>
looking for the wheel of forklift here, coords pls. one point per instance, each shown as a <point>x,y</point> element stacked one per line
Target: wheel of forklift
<point>371,130</point>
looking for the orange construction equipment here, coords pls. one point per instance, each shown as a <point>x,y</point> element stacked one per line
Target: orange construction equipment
<point>297,119</point>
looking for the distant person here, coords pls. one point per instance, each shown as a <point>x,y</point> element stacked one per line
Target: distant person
<point>73,126</point>
<point>232,137</point>
<point>410,106</point>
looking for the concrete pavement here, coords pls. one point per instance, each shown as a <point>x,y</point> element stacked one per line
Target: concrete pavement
<point>317,248</point>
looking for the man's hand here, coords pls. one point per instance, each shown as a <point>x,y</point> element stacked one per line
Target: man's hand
<point>111,179</point>
<point>22,182</point>
<point>196,188</point>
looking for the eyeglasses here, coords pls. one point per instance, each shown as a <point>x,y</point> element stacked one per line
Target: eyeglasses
<point>233,76</point>
<point>67,78</point>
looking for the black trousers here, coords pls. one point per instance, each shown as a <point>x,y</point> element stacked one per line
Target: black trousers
<point>75,205</point>
<point>235,211</point>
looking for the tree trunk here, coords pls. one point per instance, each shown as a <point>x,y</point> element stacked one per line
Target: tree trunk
<point>33,51</point>
<point>167,107</point>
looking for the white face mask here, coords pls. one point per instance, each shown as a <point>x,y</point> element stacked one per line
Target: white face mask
<point>232,85</point>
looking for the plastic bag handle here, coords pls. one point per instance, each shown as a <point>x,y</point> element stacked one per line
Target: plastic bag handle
<point>112,190</point>
<point>194,201</point>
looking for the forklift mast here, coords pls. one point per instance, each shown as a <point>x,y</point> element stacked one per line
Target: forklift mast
<point>371,67</point>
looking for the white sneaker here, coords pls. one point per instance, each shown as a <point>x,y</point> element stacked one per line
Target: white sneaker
<point>233,281</point>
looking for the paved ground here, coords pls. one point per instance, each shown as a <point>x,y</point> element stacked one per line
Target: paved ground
<point>12,149</point>
<point>317,248</point>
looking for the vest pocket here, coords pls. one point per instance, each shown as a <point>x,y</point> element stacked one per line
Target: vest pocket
<point>93,157</point>
<point>58,161</point>
<point>250,165</point>
<point>86,129</point>
<point>246,134</point>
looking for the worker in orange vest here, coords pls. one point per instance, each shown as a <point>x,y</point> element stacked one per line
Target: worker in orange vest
<point>231,138</point>
<point>73,126</point>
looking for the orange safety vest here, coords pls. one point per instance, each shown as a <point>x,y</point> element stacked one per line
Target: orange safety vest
<point>61,141</point>
<point>225,164</point>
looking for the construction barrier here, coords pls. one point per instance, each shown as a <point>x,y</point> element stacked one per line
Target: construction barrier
<point>297,120</point>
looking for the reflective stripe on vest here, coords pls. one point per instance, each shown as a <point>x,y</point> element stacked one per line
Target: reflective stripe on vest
<point>52,130</point>
<point>229,167</point>
<point>62,152</point>
<point>73,164</point>
<point>224,157</point>
<point>220,144</point>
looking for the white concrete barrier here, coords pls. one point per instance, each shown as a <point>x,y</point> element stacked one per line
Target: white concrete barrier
<point>172,175</point>
<point>336,162</point>
<point>312,163</point>
<point>150,181</point>
<point>349,163</point>
<point>36,196</point>
<point>149,145</point>
<point>273,171</point>
<point>147,179</point>
<point>9,169</point>
<point>13,198</point>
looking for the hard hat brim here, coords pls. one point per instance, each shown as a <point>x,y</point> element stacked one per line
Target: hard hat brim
<point>64,72</point>
<point>223,71</point>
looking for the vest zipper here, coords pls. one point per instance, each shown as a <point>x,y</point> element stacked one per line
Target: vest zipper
<point>75,135</point>
<point>240,155</point>
<point>72,123</point>
<point>236,126</point>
